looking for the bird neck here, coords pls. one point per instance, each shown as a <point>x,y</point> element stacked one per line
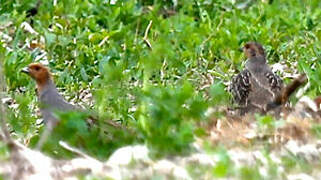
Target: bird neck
<point>255,63</point>
<point>44,85</point>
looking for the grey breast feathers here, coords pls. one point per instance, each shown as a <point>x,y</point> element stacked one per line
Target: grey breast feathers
<point>255,88</point>
<point>50,102</point>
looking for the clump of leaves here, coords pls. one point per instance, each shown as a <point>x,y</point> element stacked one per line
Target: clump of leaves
<point>167,117</point>
<point>249,173</point>
<point>96,138</point>
<point>224,166</point>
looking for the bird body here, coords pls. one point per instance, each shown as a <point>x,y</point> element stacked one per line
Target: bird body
<point>265,84</point>
<point>51,101</point>
<point>255,86</point>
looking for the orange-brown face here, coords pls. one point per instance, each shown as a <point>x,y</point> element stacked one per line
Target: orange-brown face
<point>253,49</point>
<point>38,72</point>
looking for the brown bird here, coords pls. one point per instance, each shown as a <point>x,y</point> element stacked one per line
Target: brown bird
<point>256,86</point>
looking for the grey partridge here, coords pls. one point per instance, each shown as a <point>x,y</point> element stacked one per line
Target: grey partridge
<point>256,86</point>
<point>48,95</point>
<point>51,101</point>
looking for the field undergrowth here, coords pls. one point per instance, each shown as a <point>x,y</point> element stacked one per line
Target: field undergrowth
<point>156,67</point>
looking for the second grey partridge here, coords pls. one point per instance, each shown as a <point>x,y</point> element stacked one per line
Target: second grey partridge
<point>256,86</point>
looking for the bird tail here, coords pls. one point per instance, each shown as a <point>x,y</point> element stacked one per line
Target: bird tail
<point>286,92</point>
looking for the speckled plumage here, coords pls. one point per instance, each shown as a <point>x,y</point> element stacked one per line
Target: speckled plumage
<point>254,87</point>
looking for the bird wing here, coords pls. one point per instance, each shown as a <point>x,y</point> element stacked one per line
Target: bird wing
<point>54,100</point>
<point>51,101</point>
<point>275,82</point>
<point>241,86</point>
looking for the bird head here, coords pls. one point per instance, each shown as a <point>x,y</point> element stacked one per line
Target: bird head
<point>253,49</point>
<point>38,72</point>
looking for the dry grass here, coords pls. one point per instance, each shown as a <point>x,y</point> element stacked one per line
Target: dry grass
<point>233,131</point>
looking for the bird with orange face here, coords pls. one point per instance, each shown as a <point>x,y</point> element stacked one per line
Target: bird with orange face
<point>48,95</point>
<point>51,102</point>
<point>256,86</point>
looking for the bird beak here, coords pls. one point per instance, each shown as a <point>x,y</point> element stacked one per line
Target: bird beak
<point>25,70</point>
<point>241,49</point>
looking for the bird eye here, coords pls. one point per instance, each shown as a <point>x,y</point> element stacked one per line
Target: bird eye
<point>37,68</point>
